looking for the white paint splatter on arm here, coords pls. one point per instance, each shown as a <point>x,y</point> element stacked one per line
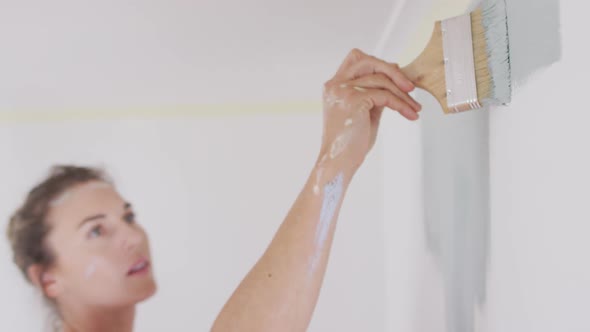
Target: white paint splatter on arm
<point>341,143</point>
<point>333,191</point>
<point>332,195</point>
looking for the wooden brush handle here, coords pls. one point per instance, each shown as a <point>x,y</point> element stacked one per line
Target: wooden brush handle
<point>427,71</point>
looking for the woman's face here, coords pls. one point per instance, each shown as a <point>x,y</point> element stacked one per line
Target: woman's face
<point>102,255</point>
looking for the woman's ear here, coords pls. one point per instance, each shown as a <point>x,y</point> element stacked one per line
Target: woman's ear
<point>44,280</point>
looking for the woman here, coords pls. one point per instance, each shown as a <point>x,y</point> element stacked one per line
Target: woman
<point>77,240</point>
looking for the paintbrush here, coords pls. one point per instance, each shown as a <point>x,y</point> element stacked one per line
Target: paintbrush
<point>466,63</point>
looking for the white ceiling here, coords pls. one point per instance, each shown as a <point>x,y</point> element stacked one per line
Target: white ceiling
<point>111,53</point>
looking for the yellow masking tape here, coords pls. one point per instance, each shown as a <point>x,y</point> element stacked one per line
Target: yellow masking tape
<point>203,110</point>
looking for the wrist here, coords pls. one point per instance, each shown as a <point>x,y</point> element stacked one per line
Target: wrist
<point>326,168</point>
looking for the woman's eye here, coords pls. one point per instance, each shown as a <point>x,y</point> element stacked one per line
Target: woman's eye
<point>129,217</point>
<point>96,231</point>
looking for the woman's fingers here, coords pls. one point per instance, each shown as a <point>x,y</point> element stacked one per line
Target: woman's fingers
<point>381,81</point>
<point>401,79</point>
<point>369,99</point>
<point>358,64</point>
<point>353,57</point>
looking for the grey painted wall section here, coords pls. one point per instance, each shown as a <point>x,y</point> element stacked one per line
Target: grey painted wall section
<point>535,37</point>
<point>456,206</point>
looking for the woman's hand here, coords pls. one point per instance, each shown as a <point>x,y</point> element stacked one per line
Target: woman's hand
<point>354,100</point>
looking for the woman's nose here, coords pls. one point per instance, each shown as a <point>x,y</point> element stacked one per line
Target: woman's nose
<point>130,239</point>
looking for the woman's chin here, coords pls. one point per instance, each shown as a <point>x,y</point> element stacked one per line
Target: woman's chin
<point>149,292</point>
<point>138,295</point>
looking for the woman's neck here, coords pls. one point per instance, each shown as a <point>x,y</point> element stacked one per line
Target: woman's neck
<point>91,320</point>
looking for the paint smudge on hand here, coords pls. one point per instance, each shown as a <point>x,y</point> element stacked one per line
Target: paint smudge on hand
<point>331,101</point>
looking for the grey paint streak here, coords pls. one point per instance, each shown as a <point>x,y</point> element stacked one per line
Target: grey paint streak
<point>457,216</point>
<point>456,168</point>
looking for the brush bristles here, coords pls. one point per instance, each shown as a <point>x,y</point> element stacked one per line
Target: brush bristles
<point>491,53</point>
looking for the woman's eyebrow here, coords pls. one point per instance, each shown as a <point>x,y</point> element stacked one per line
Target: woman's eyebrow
<point>126,206</point>
<point>91,218</point>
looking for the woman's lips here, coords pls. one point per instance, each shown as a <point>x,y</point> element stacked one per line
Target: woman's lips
<point>140,267</point>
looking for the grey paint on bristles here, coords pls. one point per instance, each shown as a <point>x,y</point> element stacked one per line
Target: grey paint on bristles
<point>495,22</point>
